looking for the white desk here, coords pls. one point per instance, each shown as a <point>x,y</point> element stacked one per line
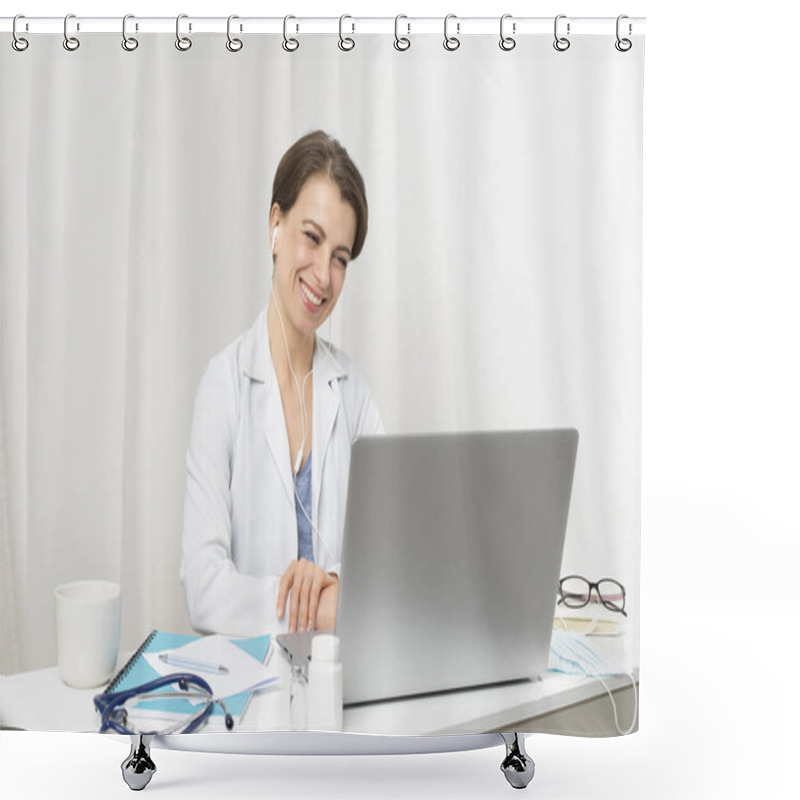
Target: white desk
<point>40,701</point>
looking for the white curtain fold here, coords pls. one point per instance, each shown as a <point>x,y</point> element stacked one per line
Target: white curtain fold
<point>500,284</point>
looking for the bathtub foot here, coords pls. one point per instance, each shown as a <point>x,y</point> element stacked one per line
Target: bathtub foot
<point>517,766</point>
<point>138,768</point>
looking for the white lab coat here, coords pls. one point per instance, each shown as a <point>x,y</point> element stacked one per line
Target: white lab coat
<point>240,524</point>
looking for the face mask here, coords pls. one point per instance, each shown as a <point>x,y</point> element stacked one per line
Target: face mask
<point>570,654</point>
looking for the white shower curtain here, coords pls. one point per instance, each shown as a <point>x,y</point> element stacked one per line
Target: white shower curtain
<point>499,287</point>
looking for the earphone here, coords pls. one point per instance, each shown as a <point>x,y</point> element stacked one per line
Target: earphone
<point>301,388</point>
<point>274,241</point>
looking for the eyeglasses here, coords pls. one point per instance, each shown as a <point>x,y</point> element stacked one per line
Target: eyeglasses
<point>575,591</point>
<point>178,703</point>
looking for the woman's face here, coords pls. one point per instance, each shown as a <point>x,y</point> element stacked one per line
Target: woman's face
<point>312,250</point>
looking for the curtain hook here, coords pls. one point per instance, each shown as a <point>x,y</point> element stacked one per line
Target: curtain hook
<point>401,42</point>
<point>17,42</point>
<point>623,45</point>
<point>561,43</point>
<point>70,42</point>
<point>129,43</point>
<point>507,42</point>
<point>451,42</point>
<point>183,43</point>
<point>234,45</point>
<point>289,44</point>
<point>346,42</point>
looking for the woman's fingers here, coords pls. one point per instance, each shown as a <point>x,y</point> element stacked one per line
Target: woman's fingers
<point>283,589</point>
<point>299,607</point>
<point>302,584</point>
<point>300,576</point>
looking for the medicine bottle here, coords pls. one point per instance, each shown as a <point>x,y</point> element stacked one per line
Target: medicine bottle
<point>325,684</point>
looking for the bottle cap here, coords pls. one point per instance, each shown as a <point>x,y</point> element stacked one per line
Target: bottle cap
<point>325,647</point>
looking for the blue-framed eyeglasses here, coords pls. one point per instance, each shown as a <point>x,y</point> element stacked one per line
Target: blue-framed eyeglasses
<point>118,710</point>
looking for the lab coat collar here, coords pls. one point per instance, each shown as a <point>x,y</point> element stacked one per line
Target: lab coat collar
<point>257,359</point>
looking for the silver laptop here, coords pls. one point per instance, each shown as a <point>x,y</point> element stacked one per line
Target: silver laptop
<point>451,557</point>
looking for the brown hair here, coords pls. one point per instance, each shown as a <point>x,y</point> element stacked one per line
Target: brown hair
<point>318,153</point>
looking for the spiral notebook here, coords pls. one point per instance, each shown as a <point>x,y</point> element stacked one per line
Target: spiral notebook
<point>137,672</point>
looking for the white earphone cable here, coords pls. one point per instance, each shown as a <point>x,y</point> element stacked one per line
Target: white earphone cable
<point>303,416</point>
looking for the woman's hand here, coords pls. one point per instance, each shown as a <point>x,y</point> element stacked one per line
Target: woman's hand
<point>314,594</point>
<point>328,603</point>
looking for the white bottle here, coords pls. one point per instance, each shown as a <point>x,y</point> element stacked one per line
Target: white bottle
<point>324,707</point>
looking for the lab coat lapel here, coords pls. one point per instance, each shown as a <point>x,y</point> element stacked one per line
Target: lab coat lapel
<point>273,424</point>
<point>327,400</point>
<point>267,397</point>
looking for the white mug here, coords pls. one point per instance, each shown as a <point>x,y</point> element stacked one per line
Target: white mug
<point>87,624</point>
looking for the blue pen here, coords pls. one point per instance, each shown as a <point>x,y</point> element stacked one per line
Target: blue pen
<point>191,664</point>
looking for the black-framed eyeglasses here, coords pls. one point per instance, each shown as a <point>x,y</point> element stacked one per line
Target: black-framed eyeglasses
<point>142,710</point>
<point>575,591</point>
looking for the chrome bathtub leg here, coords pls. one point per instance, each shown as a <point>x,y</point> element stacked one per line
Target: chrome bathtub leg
<point>138,768</point>
<point>517,766</point>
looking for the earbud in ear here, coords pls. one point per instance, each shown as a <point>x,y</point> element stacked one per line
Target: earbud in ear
<point>274,237</point>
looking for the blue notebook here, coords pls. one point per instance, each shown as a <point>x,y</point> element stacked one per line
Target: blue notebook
<point>137,671</point>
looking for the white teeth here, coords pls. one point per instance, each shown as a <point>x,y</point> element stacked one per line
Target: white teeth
<point>317,301</point>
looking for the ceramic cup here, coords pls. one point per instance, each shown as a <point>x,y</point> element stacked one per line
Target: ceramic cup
<point>87,626</point>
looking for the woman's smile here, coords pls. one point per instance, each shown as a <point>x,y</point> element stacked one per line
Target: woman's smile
<point>312,301</point>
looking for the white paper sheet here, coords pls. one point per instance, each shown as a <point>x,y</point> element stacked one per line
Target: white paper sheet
<point>244,672</point>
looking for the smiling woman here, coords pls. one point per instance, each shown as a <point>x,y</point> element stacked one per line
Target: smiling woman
<point>316,237</point>
<point>269,453</point>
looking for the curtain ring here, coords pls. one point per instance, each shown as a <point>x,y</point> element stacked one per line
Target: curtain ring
<point>401,42</point>
<point>234,45</point>
<point>128,42</point>
<point>70,42</point>
<point>451,42</point>
<point>346,43</point>
<point>561,43</point>
<point>289,44</point>
<point>18,43</point>
<point>507,42</point>
<point>183,43</point>
<point>623,45</point>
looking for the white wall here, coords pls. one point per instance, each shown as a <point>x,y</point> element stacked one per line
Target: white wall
<point>720,524</point>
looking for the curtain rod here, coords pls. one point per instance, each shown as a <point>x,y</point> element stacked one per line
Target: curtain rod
<point>327,25</point>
